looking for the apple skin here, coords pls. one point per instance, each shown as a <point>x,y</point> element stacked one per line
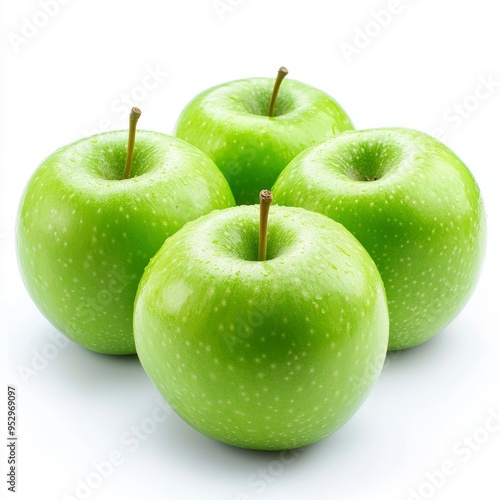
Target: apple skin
<point>229,122</point>
<point>422,221</point>
<point>265,355</point>
<point>84,235</point>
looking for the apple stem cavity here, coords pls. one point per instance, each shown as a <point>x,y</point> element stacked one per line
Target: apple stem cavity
<point>282,72</point>
<point>135,113</point>
<point>266,198</point>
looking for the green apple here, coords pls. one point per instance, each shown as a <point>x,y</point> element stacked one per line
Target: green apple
<point>414,206</point>
<point>264,354</point>
<point>85,234</point>
<point>231,123</point>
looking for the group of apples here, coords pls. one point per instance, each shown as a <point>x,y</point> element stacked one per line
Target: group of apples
<point>263,327</point>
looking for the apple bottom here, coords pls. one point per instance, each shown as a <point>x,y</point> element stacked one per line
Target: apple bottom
<point>266,355</point>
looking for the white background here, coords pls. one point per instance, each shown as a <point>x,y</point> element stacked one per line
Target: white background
<point>73,74</point>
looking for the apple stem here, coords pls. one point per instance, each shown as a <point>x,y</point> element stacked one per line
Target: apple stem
<point>282,72</point>
<point>266,198</point>
<point>135,113</point>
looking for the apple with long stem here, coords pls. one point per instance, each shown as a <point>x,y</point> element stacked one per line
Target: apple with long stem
<point>415,207</point>
<point>253,128</point>
<point>87,226</point>
<point>265,338</point>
